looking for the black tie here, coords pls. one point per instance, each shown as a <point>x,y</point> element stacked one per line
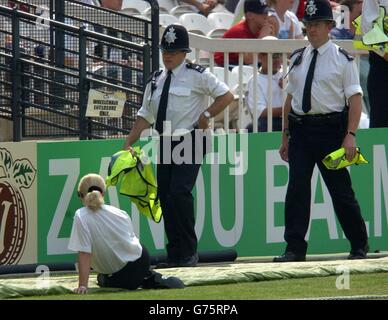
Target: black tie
<point>163,104</point>
<point>306,103</point>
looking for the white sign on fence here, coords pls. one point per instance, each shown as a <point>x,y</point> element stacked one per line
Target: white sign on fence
<point>103,104</point>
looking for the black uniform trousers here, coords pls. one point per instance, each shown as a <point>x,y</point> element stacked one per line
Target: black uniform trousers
<point>131,276</point>
<point>308,145</point>
<point>175,184</point>
<point>377,88</point>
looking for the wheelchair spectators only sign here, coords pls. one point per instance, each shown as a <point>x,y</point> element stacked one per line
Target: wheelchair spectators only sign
<point>103,104</point>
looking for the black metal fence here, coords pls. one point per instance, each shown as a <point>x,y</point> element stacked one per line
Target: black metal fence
<point>47,67</point>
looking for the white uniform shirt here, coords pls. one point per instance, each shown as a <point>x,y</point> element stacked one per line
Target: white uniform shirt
<point>335,77</point>
<point>284,26</point>
<point>108,235</point>
<point>262,92</point>
<point>187,98</point>
<point>370,12</point>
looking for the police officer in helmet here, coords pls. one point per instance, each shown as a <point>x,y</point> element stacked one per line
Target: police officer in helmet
<point>322,113</point>
<point>176,98</point>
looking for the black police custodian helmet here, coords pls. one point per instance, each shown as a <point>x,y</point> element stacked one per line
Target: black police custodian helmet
<point>175,38</point>
<point>318,10</point>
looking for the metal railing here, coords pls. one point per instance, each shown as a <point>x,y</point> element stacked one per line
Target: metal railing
<point>45,92</point>
<point>203,53</point>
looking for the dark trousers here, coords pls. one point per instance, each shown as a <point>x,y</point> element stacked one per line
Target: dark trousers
<point>377,89</point>
<point>175,185</point>
<point>131,276</point>
<point>308,145</point>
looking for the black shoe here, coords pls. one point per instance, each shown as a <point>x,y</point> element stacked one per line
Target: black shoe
<point>102,280</point>
<point>358,253</point>
<point>289,257</point>
<point>155,280</point>
<point>189,261</point>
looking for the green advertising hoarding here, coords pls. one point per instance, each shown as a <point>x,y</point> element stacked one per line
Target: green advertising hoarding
<point>239,196</point>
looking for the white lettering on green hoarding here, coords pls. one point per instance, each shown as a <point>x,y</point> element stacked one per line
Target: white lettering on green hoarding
<point>274,194</point>
<point>379,174</point>
<point>227,238</point>
<point>277,194</point>
<point>71,169</point>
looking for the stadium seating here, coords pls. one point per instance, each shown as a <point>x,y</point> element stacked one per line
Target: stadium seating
<point>135,7</point>
<point>182,9</point>
<point>167,19</point>
<point>220,20</point>
<point>195,23</point>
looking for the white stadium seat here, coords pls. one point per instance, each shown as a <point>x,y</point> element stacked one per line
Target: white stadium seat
<point>195,23</point>
<point>167,4</point>
<point>167,19</point>
<point>220,20</point>
<point>182,9</point>
<point>135,7</point>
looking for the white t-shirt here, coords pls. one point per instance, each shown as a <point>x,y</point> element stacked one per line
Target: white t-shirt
<point>284,26</point>
<point>262,92</point>
<point>108,235</point>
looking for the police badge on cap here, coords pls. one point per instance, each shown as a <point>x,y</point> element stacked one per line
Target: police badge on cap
<point>175,38</point>
<point>318,10</point>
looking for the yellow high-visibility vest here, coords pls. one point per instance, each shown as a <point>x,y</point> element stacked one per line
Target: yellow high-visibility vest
<point>337,159</point>
<point>136,181</point>
<point>376,39</point>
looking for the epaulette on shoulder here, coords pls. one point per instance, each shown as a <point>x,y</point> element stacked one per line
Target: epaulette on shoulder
<point>195,67</point>
<point>154,75</point>
<point>300,51</point>
<point>346,54</point>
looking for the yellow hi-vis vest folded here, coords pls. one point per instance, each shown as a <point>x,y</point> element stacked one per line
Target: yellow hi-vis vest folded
<point>374,40</point>
<point>337,159</point>
<point>137,181</point>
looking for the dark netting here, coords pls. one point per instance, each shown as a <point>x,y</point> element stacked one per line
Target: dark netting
<point>53,79</point>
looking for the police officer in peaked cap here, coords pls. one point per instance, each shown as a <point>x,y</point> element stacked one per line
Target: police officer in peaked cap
<point>322,113</point>
<point>176,98</point>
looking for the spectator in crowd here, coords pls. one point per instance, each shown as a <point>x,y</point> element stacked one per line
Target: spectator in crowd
<point>254,26</point>
<point>378,73</point>
<point>298,8</point>
<point>104,238</point>
<point>204,7</point>
<point>262,93</point>
<point>231,5</point>
<point>111,4</point>
<point>289,27</point>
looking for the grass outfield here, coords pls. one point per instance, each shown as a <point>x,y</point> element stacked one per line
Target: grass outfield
<point>362,284</point>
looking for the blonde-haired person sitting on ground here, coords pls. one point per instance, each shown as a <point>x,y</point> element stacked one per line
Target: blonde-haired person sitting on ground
<point>104,238</point>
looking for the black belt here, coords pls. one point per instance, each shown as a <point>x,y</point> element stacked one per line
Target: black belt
<point>318,119</point>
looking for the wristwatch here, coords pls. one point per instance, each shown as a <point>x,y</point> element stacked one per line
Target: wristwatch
<point>207,114</point>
